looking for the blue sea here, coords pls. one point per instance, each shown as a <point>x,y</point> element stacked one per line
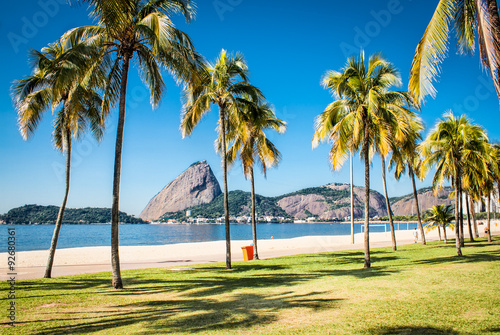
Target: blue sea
<point>38,237</point>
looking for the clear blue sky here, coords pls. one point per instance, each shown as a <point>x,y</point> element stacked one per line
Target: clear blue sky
<point>288,46</point>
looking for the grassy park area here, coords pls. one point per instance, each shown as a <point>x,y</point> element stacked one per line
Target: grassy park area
<point>416,290</point>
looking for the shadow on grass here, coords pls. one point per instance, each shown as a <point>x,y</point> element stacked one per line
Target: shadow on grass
<point>355,258</point>
<point>63,286</point>
<point>211,285</point>
<point>412,331</point>
<point>493,330</point>
<point>492,256</point>
<point>198,315</point>
<point>211,298</point>
<point>372,272</point>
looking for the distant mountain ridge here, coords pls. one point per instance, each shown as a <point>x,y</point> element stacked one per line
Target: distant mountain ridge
<point>405,205</point>
<point>197,190</point>
<point>327,202</point>
<point>332,201</point>
<point>36,214</point>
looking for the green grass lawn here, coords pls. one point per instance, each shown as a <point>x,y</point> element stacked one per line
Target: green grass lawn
<point>416,290</point>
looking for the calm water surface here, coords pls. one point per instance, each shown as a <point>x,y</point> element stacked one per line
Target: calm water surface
<point>38,237</point>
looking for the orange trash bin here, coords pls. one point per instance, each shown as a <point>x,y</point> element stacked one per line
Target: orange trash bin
<point>247,253</point>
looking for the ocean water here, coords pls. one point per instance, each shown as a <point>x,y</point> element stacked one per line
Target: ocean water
<point>38,237</point>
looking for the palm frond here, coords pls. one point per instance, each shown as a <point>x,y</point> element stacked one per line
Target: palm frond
<point>430,52</point>
<point>150,74</point>
<point>488,30</point>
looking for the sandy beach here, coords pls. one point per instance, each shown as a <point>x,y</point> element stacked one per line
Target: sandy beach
<point>31,264</point>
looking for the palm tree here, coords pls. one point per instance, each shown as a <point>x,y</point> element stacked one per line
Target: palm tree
<point>140,31</point>
<point>399,121</point>
<point>439,216</point>
<point>222,83</point>
<point>405,156</point>
<point>470,17</point>
<point>388,205</point>
<point>489,181</point>
<point>358,117</point>
<point>351,187</point>
<point>250,141</point>
<point>472,200</point>
<point>60,79</point>
<point>469,223</point>
<point>452,142</point>
<point>477,184</point>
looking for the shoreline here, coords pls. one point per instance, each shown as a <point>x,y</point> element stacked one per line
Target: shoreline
<point>73,261</point>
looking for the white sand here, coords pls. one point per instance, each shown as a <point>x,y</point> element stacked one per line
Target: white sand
<point>31,264</point>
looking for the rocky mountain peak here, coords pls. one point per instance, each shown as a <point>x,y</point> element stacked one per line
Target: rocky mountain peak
<point>195,186</point>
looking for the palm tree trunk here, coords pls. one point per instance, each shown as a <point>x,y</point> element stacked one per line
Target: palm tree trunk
<point>254,217</point>
<point>352,203</point>
<point>488,218</point>
<point>115,210</point>
<point>473,214</point>
<point>222,117</point>
<point>457,219</point>
<point>444,233</point>
<point>367,200</point>
<point>462,240</point>
<point>420,227</point>
<point>388,205</point>
<point>60,215</point>
<point>468,216</point>
<point>439,232</point>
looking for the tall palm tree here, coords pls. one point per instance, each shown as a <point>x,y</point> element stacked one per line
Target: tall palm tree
<point>388,205</point>
<point>249,140</point>
<point>476,183</point>
<point>140,31</point>
<point>469,223</point>
<point>439,216</point>
<point>470,17</point>
<point>398,121</point>
<point>352,195</point>
<point>405,156</point>
<point>489,181</point>
<point>474,190</point>
<point>222,83</point>
<point>472,201</point>
<point>60,80</point>
<point>452,142</point>
<point>358,117</point>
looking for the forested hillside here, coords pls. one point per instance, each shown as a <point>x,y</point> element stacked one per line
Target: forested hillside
<point>35,214</point>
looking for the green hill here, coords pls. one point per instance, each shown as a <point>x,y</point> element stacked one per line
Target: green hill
<point>240,204</point>
<point>48,215</point>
